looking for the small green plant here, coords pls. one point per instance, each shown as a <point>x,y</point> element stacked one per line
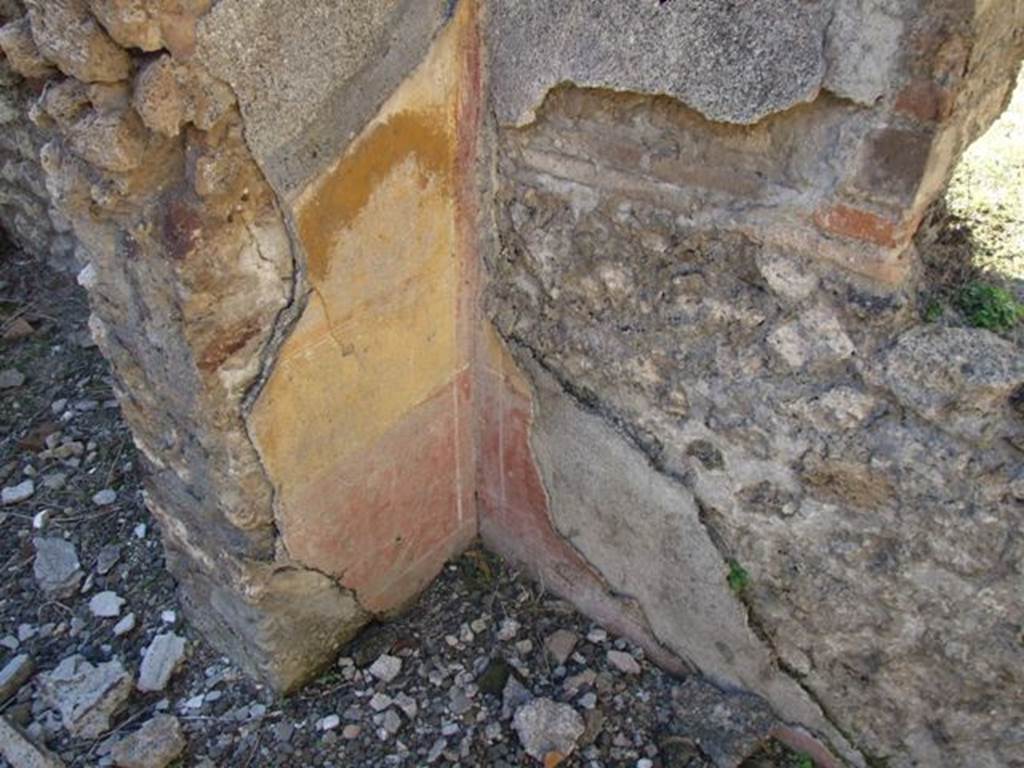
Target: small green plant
<point>739,578</point>
<point>804,761</point>
<point>989,306</point>
<point>932,311</point>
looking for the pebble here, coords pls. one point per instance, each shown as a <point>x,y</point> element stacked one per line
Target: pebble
<point>10,642</point>
<point>560,644</point>
<point>350,732</point>
<point>156,744</point>
<point>19,751</point>
<point>435,751</point>
<point>507,630</point>
<point>386,668</point>
<point>168,617</point>
<point>391,723</point>
<point>106,605</point>
<point>125,625</point>
<point>545,726</point>
<point>104,498</point>
<point>11,378</point>
<point>624,662</point>
<point>159,662</point>
<point>588,700</point>
<point>597,635</point>
<point>644,762</point>
<point>328,723</point>
<point>14,674</point>
<point>140,531</point>
<point>107,559</point>
<point>40,519</point>
<point>380,701</point>
<point>15,494</point>
<point>86,696</point>
<point>56,566</point>
<point>407,704</point>
<point>54,481</point>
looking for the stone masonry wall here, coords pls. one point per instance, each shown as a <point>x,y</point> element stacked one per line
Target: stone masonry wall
<point>25,211</point>
<point>628,288</point>
<point>705,273</point>
<point>194,208</point>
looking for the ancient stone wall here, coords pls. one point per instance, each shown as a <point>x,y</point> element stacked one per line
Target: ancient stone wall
<point>705,271</point>
<point>629,288</point>
<point>25,211</point>
<point>253,371</point>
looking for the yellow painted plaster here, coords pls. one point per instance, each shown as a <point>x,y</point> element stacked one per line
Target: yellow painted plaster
<point>378,335</point>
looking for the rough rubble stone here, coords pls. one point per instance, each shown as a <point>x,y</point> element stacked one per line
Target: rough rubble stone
<point>68,35</point>
<point>86,696</point>
<point>56,566</point>
<point>21,51</point>
<point>546,727</point>
<point>162,657</point>
<point>155,745</point>
<point>624,662</point>
<point>114,141</point>
<point>960,379</point>
<point>132,24</point>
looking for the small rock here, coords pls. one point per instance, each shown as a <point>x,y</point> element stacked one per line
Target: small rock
<point>155,745</point>
<point>160,660</point>
<point>386,668</point>
<point>350,732</point>
<point>104,498</point>
<point>56,567</point>
<point>168,617</point>
<point>86,696</point>
<point>379,702</point>
<point>588,700</point>
<point>11,378</point>
<point>19,329</point>
<point>559,645</point>
<point>407,704</point>
<point>391,723</point>
<point>14,674</point>
<point>125,625</point>
<point>107,559</point>
<point>140,531</point>
<point>40,519</point>
<point>10,642</point>
<point>15,494</point>
<point>328,723</point>
<point>624,662</point>
<point>26,632</point>
<point>548,730</point>
<point>54,481</point>
<point>513,697</point>
<point>106,605</point>
<point>507,630</point>
<point>597,635</point>
<point>20,752</point>
<point>437,749</point>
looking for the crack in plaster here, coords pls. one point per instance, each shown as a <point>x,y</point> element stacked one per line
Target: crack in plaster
<point>654,460</point>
